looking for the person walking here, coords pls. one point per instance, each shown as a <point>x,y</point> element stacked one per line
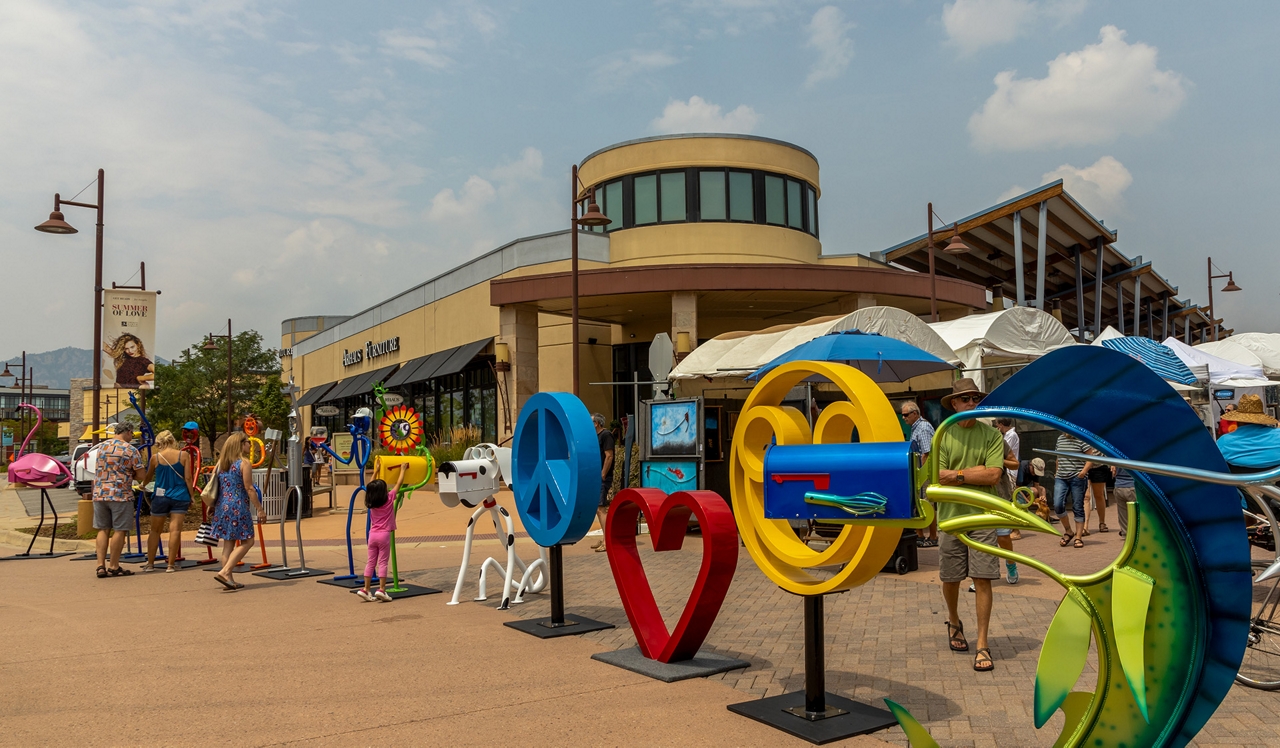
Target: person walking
<point>117,466</point>
<point>171,497</point>
<point>969,455</point>
<point>607,447</point>
<point>232,517</point>
<point>922,440</point>
<point>1125,492</point>
<point>1009,430</point>
<point>1069,481</point>
<point>1096,499</point>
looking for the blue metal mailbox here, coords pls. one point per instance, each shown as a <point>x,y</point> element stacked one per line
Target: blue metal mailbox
<point>840,482</point>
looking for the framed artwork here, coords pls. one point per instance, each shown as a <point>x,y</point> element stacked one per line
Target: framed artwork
<point>674,428</point>
<point>669,475</point>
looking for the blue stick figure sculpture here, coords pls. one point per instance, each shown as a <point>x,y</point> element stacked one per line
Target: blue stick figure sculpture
<point>361,448</point>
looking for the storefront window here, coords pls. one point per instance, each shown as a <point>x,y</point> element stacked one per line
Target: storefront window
<point>775,204</point>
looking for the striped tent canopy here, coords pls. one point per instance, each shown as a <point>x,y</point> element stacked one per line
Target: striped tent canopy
<point>1158,358</point>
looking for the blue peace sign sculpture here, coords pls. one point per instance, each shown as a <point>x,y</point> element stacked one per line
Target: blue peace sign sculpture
<point>556,459</point>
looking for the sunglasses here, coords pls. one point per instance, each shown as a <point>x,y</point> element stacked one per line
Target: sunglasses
<point>968,398</point>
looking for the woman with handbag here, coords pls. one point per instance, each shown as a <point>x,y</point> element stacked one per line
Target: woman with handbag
<point>171,498</point>
<point>232,515</point>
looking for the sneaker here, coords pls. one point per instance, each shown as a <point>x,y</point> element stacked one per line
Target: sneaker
<point>364,595</point>
<point>383,596</point>
<point>1011,572</point>
<point>170,570</point>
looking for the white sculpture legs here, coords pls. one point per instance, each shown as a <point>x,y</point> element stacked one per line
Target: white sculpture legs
<point>508,540</point>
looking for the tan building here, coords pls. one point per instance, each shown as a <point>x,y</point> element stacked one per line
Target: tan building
<point>709,234</point>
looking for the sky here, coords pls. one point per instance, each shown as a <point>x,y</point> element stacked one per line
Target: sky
<point>277,159</point>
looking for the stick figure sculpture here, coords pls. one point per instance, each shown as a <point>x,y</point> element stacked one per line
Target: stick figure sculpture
<point>361,448</point>
<point>399,431</point>
<point>472,482</point>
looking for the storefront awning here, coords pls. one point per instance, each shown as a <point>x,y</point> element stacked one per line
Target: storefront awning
<point>360,383</point>
<point>438,364</point>
<point>313,395</point>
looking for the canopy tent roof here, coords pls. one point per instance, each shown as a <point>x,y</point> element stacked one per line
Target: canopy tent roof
<point>1264,345</point>
<point>737,354</point>
<point>1233,352</point>
<point>1020,334</point>
<point>1156,357</point>
<point>1221,370</point>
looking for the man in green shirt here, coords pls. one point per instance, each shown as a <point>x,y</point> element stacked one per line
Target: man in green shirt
<point>971,455</point>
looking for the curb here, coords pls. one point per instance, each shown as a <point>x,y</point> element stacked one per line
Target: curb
<point>17,539</point>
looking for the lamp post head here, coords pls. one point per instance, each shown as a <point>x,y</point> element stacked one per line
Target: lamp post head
<point>956,246</point>
<point>1231,283</point>
<point>7,374</point>
<point>209,345</point>
<point>593,217</point>
<point>56,225</point>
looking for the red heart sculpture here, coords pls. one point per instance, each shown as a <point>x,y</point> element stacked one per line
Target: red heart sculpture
<point>668,518</point>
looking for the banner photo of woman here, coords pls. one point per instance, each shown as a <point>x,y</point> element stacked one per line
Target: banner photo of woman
<point>128,337</point>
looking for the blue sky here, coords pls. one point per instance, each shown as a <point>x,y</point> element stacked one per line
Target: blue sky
<point>275,159</point>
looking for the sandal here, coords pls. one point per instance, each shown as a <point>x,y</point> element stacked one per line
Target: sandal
<point>119,572</point>
<point>1102,527</point>
<point>983,656</point>
<point>958,636</point>
<point>1078,544</point>
<point>1084,533</point>
<point>1066,539</point>
<point>102,572</point>
<point>220,580</point>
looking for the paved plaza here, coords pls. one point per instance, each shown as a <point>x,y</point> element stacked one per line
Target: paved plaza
<point>170,659</point>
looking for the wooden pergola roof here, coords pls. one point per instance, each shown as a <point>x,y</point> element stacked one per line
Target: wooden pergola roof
<point>1079,249</point>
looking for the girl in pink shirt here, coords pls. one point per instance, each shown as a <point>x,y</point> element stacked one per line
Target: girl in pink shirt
<point>382,522</point>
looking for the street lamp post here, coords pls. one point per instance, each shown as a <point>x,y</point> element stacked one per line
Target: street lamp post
<point>56,225</point>
<point>1229,288</point>
<point>954,247</point>
<point>592,218</point>
<point>21,383</point>
<point>212,346</point>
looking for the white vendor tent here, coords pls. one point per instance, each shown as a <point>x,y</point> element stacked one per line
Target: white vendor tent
<point>1233,352</point>
<point>737,354</point>
<point>1264,345</point>
<point>1221,371</point>
<point>1008,337</point>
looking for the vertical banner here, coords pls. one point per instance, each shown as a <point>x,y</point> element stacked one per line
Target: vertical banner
<point>128,338</point>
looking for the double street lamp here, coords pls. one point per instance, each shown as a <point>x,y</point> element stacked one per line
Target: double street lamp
<point>23,382</point>
<point>592,218</point>
<point>57,225</point>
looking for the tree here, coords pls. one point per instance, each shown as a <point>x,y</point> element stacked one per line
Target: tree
<point>195,387</point>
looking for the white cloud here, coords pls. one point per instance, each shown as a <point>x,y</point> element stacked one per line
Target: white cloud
<point>526,168</point>
<point>1092,96</point>
<point>474,195</point>
<point>613,72</point>
<point>1099,188</point>
<point>699,115</point>
<point>406,45</point>
<point>974,24</point>
<point>828,33</point>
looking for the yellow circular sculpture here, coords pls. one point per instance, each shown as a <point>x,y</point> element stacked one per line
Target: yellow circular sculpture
<point>783,557</point>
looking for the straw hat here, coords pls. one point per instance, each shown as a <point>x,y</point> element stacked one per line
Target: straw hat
<point>1249,410</point>
<point>964,386</point>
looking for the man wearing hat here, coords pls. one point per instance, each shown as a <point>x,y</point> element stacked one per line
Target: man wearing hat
<point>1255,442</point>
<point>118,464</point>
<point>970,455</point>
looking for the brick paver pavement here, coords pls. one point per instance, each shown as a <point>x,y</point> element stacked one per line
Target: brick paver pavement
<point>886,639</point>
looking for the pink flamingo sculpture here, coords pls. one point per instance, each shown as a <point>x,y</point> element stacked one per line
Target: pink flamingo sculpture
<point>34,469</point>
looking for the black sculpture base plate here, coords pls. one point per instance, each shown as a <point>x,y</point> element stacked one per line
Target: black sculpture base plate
<point>283,575</point>
<point>702,665</point>
<point>859,719</point>
<point>241,568</point>
<point>25,556</point>
<point>161,563</point>
<point>409,590</point>
<point>572,626</point>
<point>349,583</point>
<point>86,557</point>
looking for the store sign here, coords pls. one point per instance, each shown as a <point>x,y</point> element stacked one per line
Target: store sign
<point>285,353</point>
<point>327,411</point>
<point>1224,394</point>
<point>371,351</point>
<point>393,399</point>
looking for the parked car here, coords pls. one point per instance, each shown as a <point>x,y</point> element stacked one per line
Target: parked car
<point>82,469</point>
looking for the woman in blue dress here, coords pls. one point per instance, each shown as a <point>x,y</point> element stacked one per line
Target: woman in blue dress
<point>232,516</point>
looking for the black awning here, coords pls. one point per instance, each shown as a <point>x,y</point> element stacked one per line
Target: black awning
<point>313,395</point>
<point>360,383</point>
<point>337,388</point>
<point>461,356</point>
<point>439,364</point>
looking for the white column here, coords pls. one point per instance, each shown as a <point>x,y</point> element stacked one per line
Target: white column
<point>1041,270</point>
<point>1020,279</point>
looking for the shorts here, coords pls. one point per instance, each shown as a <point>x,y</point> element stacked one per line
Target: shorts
<point>112,515</point>
<point>605,486</point>
<point>1073,488</point>
<point>162,506</point>
<point>958,560</point>
<point>1100,474</point>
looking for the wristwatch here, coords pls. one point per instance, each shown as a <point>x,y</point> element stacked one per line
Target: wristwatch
<point>960,476</point>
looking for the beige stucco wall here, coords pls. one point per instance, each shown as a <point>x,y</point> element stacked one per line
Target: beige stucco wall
<point>680,243</point>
